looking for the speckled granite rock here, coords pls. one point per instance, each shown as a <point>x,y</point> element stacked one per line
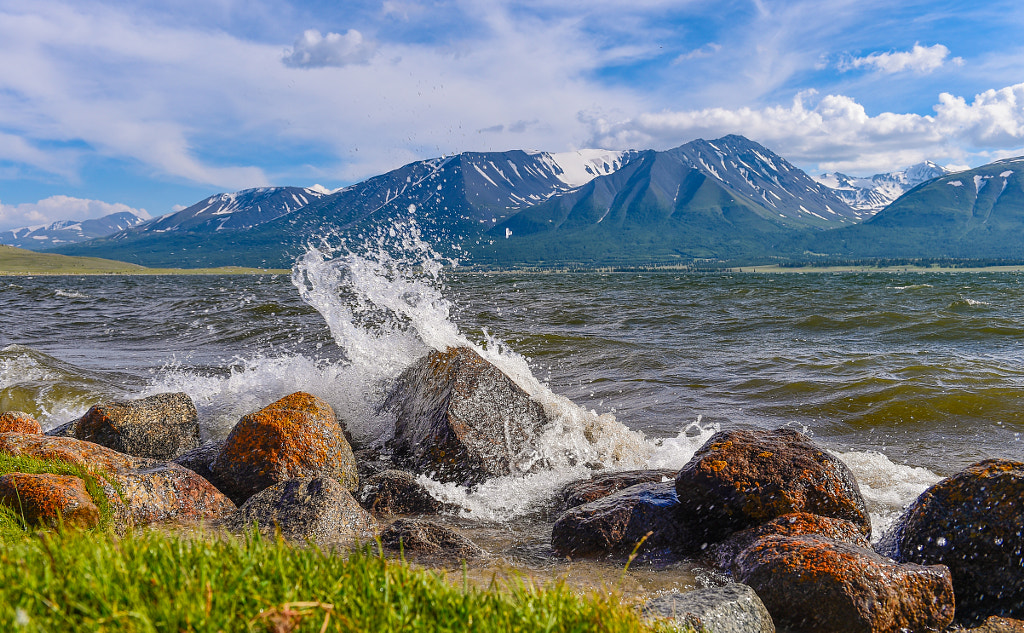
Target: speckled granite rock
<point>162,426</point>
<point>734,608</point>
<point>49,500</point>
<point>397,492</point>
<point>603,484</point>
<point>18,422</point>
<point>425,537</point>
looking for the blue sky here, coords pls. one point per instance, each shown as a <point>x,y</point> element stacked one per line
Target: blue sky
<point>150,105</point>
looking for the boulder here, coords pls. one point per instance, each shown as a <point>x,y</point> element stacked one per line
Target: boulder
<point>460,419</point>
<point>740,479</point>
<point>318,509</point>
<point>297,436</point>
<point>616,524</point>
<point>972,522</point>
<point>814,584</point>
<point>397,492</point>
<point>425,537</point>
<point>152,490</point>
<point>198,460</point>
<point>996,624</point>
<point>603,484</point>
<point>724,553</point>
<point>734,608</point>
<point>159,427</point>
<point>18,422</point>
<point>49,500</point>
<point>64,430</point>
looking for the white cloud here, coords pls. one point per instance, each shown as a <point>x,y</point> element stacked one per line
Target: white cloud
<point>920,59</point>
<point>313,50</point>
<point>837,133</point>
<point>56,208</point>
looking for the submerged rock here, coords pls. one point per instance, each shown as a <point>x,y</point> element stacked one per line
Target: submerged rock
<point>397,492</point>
<point>617,523</point>
<point>460,419</point>
<point>160,427</point>
<point>319,509</point>
<point>603,484</point>
<point>425,537</point>
<point>972,522</point>
<point>813,584</point>
<point>740,479</point>
<point>734,608</point>
<point>297,436</point>
<point>49,500</point>
<point>153,490</point>
<point>18,422</point>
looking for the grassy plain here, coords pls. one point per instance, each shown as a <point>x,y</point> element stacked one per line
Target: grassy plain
<point>18,261</point>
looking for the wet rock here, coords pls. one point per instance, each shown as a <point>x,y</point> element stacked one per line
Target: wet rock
<point>159,427</point>
<point>603,484</point>
<point>297,436</point>
<point>616,524</point>
<point>734,608</point>
<point>18,422</point>
<point>198,460</point>
<point>397,492</point>
<point>318,509</point>
<point>64,430</point>
<point>972,522</point>
<point>996,624</point>
<point>814,584</point>
<point>153,490</point>
<point>49,500</point>
<point>425,537</point>
<point>724,554</point>
<point>460,419</point>
<point>740,479</point>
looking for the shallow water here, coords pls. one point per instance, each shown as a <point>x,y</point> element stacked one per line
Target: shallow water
<point>908,377</point>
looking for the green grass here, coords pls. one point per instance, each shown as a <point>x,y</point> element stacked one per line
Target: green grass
<point>156,582</point>
<point>18,261</point>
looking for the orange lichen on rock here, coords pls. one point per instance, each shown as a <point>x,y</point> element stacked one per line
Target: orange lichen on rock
<point>49,500</point>
<point>19,422</point>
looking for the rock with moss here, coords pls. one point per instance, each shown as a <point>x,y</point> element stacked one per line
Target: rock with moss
<point>49,500</point>
<point>162,426</point>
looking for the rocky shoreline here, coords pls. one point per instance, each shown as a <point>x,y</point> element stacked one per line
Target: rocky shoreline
<point>778,515</point>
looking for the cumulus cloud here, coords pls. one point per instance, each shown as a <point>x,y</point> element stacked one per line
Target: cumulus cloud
<point>313,50</point>
<point>56,208</point>
<point>920,59</point>
<point>835,132</point>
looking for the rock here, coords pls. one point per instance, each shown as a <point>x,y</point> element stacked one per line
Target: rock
<point>18,422</point>
<point>734,608</point>
<point>724,554</point>
<point>397,492</point>
<point>814,584</point>
<point>198,460</point>
<point>603,484</point>
<point>615,524</point>
<point>153,490</point>
<point>49,500</point>
<point>318,509</point>
<point>996,624</point>
<point>424,537</point>
<point>460,419</point>
<point>740,479</point>
<point>159,427</point>
<point>972,522</point>
<point>297,436</point>
<point>64,430</point>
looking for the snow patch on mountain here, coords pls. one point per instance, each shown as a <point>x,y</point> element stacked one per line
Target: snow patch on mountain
<point>581,166</point>
<point>869,195</point>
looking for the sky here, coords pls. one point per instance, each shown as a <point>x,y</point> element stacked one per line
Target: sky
<point>150,106</point>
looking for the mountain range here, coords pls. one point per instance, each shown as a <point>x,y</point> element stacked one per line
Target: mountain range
<point>729,199</point>
<point>39,238</point>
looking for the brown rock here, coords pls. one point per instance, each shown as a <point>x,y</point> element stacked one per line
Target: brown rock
<point>19,422</point>
<point>740,479</point>
<point>153,490</point>
<point>460,419</point>
<point>617,523</point>
<point>49,500</point>
<point>424,537</point>
<point>815,584</point>
<point>603,484</point>
<point>318,509</point>
<point>724,554</point>
<point>996,624</point>
<point>297,436</point>
<point>160,427</point>
<point>397,492</point>
<point>972,523</point>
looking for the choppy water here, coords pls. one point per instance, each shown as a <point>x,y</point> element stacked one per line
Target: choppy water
<point>908,377</point>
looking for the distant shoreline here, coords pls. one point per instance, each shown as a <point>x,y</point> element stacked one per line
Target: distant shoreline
<point>149,272</point>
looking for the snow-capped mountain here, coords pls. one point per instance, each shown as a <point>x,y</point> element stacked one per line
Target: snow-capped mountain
<point>38,238</point>
<point>870,195</point>
<point>239,210</point>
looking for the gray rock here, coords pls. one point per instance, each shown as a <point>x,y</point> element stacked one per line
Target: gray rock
<point>603,484</point>
<point>397,492</point>
<point>198,460</point>
<point>734,608</point>
<point>425,537</point>
<point>318,509</point>
<point>159,427</point>
<point>460,419</point>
